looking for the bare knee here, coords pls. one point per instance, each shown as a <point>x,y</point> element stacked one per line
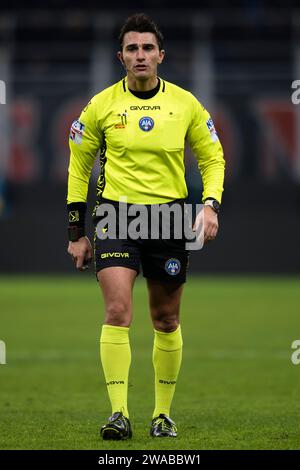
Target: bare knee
<point>118,313</point>
<point>166,321</point>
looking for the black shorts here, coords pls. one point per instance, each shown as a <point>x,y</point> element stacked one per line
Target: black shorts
<point>161,259</point>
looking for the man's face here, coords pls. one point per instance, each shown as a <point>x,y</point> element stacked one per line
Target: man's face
<point>141,55</point>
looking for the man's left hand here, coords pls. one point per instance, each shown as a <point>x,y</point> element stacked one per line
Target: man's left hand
<point>211,224</point>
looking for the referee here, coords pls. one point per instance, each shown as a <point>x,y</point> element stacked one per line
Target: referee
<point>139,126</point>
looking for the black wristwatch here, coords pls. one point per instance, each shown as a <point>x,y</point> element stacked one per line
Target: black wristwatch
<point>213,203</point>
<point>75,233</point>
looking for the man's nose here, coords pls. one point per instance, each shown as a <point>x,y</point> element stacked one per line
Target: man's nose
<point>140,55</point>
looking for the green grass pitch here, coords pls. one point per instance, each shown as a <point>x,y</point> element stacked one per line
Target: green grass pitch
<point>238,388</point>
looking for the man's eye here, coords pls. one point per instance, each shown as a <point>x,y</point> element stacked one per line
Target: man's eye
<point>131,48</point>
<point>148,47</point>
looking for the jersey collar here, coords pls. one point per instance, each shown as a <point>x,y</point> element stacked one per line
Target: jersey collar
<point>162,85</point>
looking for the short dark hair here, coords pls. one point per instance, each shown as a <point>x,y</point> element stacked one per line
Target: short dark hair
<point>141,23</point>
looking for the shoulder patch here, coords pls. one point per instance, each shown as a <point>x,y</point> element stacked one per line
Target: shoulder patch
<point>77,131</point>
<point>212,130</point>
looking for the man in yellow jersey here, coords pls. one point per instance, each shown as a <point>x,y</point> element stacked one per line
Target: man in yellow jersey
<point>139,125</point>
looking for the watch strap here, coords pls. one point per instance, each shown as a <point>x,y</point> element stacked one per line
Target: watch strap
<point>213,203</point>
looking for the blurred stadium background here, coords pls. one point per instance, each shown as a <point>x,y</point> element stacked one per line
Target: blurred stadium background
<point>239,61</point>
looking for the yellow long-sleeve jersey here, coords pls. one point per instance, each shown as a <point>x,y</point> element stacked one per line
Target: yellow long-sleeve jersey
<point>141,143</point>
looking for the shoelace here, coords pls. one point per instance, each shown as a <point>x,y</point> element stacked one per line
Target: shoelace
<point>117,418</point>
<point>166,425</point>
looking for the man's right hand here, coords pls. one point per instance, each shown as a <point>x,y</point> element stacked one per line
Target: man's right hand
<point>81,252</point>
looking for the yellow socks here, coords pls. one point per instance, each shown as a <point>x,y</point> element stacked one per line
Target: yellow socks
<point>167,353</point>
<point>115,356</point>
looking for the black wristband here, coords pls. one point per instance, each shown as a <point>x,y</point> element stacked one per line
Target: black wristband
<point>76,214</point>
<point>74,233</point>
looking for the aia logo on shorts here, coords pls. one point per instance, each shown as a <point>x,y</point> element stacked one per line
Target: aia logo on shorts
<point>173,266</point>
<point>146,123</point>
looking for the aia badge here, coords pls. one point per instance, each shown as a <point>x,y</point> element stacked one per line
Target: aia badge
<point>146,123</point>
<point>212,130</point>
<point>173,266</point>
<point>77,131</point>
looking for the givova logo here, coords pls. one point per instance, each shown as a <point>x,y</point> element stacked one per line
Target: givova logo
<point>114,255</point>
<point>167,382</point>
<point>2,353</point>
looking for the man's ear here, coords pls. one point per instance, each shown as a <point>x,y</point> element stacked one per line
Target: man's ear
<point>161,56</point>
<point>120,57</point>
